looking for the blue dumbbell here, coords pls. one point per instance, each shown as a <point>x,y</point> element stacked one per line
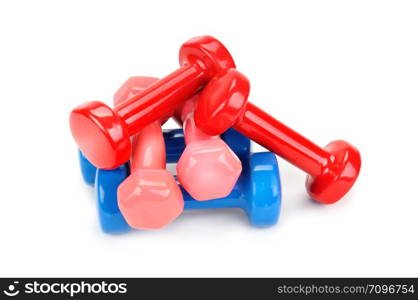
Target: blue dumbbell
<point>107,182</point>
<point>257,191</point>
<point>240,144</point>
<point>88,171</point>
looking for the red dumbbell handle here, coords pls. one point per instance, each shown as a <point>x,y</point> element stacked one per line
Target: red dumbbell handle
<point>148,150</point>
<point>162,98</point>
<point>277,137</point>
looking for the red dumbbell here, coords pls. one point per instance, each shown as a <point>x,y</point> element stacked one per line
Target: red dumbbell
<point>332,169</point>
<point>103,134</point>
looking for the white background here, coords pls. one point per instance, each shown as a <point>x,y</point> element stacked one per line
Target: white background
<point>329,69</point>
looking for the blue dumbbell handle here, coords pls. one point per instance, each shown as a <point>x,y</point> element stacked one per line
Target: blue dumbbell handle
<point>235,199</point>
<point>174,144</point>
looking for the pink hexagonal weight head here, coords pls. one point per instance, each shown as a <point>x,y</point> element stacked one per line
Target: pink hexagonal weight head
<point>208,169</point>
<point>150,199</point>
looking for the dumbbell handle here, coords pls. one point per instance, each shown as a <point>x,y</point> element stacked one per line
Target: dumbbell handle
<point>234,200</point>
<point>191,132</point>
<point>161,98</point>
<point>259,126</point>
<point>148,151</point>
<point>262,128</point>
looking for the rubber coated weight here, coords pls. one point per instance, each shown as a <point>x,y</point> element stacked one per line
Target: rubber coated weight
<point>332,170</point>
<point>103,134</point>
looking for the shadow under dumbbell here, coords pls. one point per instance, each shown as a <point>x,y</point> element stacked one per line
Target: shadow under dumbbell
<point>220,215</point>
<point>300,200</point>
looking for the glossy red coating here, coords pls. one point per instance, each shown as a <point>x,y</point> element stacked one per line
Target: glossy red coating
<point>103,134</point>
<point>225,98</point>
<point>339,176</point>
<point>148,149</point>
<point>100,134</point>
<point>333,169</point>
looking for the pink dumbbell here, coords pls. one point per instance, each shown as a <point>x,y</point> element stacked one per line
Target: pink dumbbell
<point>207,169</point>
<point>149,198</point>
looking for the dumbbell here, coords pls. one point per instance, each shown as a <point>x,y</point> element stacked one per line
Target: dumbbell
<point>257,192</point>
<point>149,198</point>
<point>106,186</point>
<point>103,134</point>
<point>207,169</point>
<point>332,170</point>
